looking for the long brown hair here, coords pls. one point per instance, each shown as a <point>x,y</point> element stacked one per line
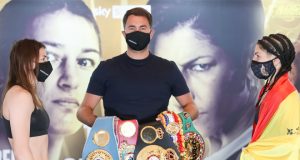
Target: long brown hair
<point>24,56</point>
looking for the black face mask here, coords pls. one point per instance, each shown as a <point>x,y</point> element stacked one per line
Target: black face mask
<point>137,40</point>
<point>45,69</point>
<point>263,70</point>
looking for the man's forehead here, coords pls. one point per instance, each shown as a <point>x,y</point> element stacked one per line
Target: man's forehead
<point>137,21</point>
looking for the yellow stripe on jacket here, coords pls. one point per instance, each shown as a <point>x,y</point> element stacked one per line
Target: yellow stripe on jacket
<point>281,138</point>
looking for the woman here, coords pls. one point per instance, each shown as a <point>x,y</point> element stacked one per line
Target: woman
<point>25,119</point>
<point>277,120</point>
<point>70,33</point>
<point>211,42</point>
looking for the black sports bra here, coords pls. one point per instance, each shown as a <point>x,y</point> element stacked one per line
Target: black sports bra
<point>39,123</point>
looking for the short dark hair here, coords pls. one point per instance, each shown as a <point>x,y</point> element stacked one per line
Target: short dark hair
<point>138,11</point>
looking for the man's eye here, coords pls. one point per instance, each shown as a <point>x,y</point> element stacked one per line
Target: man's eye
<point>132,28</point>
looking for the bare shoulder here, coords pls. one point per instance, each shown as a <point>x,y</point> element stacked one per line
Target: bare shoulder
<point>17,98</point>
<point>17,92</point>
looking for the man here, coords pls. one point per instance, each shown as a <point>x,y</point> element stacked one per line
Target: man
<point>135,84</point>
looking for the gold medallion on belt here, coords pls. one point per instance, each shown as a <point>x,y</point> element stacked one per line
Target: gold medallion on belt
<point>173,128</point>
<point>155,152</point>
<point>101,138</point>
<point>194,145</point>
<point>149,134</point>
<point>99,154</point>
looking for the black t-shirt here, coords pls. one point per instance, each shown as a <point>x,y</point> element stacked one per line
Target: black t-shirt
<point>136,89</point>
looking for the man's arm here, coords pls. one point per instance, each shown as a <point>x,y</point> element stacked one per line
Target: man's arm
<point>85,112</point>
<point>188,105</point>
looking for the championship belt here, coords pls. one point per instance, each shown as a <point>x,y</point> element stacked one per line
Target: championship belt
<point>173,125</point>
<point>127,133</point>
<point>194,142</point>
<point>154,143</point>
<point>101,142</point>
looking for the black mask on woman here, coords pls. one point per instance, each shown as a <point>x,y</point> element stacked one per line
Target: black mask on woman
<point>137,40</point>
<point>263,70</point>
<point>45,69</point>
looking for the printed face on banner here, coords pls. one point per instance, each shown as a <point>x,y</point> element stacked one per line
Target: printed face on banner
<point>73,49</point>
<point>204,67</point>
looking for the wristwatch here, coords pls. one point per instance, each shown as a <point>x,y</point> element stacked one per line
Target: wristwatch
<point>101,142</point>
<point>194,142</point>
<point>127,133</point>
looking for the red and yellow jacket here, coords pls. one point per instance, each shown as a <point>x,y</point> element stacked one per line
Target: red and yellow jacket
<point>276,135</point>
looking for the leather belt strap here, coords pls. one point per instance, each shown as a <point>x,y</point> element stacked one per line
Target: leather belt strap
<point>127,133</point>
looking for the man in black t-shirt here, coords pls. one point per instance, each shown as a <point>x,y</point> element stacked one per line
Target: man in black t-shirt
<point>135,84</point>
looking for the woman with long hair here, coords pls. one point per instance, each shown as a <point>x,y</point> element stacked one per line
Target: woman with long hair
<point>72,39</point>
<point>276,133</point>
<point>25,120</point>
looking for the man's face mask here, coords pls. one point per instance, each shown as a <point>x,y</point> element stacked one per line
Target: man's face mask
<point>137,40</point>
<point>45,69</point>
<point>263,70</point>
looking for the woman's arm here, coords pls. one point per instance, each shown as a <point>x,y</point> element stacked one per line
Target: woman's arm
<point>20,107</point>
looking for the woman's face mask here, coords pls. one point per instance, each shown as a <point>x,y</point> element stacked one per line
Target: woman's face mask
<point>45,69</point>
<point>263,70</point>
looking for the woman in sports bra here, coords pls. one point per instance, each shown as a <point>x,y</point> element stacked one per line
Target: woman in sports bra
<point>25,119</point>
